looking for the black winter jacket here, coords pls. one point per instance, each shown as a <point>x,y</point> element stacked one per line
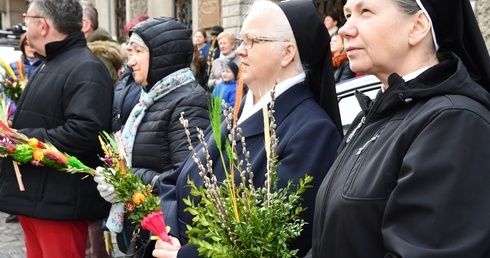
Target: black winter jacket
<point>412,179</point>
<point>67,102</point>
<point>126,95</point>
<point>343,72</point>
<point>161,144</point>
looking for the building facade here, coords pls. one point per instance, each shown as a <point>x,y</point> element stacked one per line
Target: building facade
<point>196,14</point>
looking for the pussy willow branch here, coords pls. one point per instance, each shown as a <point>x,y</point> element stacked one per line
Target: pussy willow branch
<point>211,184</point>
<point>272,149</point>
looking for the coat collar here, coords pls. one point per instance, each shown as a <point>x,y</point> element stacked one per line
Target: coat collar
<point>55,48</point>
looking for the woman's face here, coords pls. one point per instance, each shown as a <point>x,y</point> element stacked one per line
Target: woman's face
<point>336,44</point>
<point>376,36</point>
<point>329,22</point>
<point>258,72</point>
<point>226,45</point>
<point>29,50</point>
<point>139,61</point>
<point>199,38</point>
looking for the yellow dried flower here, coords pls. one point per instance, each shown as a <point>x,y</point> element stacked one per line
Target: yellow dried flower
<point>38,154</point>
<point>33,142</point>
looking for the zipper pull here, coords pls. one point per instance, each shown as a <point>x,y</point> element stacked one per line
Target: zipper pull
<point>363,120</point>
<point>366,144</point>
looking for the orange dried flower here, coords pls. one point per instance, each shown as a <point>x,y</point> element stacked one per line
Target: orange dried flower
<point>138,197</point>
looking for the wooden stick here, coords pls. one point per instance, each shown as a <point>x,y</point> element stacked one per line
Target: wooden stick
<point>19,176</point>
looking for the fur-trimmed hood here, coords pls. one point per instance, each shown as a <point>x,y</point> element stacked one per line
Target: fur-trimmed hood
<point>111,54</point>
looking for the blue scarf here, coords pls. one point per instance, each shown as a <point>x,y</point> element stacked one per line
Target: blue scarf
<point>161,88</point>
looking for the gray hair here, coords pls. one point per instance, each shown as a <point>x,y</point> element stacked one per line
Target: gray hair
<point>66,15</point>
<point>411,7</point>
<point>90,12</point>
<point>408,6</point>
<point>277,28</point>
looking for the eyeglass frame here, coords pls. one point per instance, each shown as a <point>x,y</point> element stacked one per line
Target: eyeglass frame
<point>27,17</point>
<point>258,40</point>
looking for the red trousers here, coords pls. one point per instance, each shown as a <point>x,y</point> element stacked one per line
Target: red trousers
<point>54,239</point>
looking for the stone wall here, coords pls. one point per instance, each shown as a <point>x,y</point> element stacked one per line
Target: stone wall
<point>482,9</point>
<point>136,8</point>
<point>232,14</point>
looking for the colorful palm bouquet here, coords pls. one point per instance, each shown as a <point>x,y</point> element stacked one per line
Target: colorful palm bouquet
<point>25,150</point>
<point>237,219</point>
<point>12,86</point>
<point>132,195</point>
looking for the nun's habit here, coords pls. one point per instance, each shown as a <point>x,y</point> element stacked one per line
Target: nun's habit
<point>413,179</point>
<point>314,51</point>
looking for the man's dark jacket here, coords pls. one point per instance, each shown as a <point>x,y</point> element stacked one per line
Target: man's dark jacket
<point>67,102</point>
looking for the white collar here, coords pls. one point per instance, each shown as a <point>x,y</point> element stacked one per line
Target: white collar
<point>414,74</point>
<point>250,108</point>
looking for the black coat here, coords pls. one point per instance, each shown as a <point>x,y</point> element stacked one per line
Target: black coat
<point>67,102</point>
<point>413,179</point>
<point>343,72</point>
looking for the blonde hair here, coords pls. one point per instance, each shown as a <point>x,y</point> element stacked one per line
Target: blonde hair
<point>228,36</point>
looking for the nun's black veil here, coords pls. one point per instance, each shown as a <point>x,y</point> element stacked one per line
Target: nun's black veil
<point>457,31</point>
<point>313,43</point>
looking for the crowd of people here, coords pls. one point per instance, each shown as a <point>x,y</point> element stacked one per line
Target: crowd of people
<point>394,185</point>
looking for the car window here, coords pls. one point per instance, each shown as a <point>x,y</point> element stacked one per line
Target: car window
<point>348,105</point>
<point>9,55</point>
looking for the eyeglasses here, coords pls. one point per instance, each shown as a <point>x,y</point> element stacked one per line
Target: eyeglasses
<point>27,17</point>
<point>249,43</point>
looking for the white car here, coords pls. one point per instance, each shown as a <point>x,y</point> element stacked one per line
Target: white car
<point>348,105</point>
<point>9,55</point>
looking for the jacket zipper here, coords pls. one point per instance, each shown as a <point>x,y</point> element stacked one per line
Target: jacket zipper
<point>347,150</point>
<point>367,143</point>
<point>351,135</point>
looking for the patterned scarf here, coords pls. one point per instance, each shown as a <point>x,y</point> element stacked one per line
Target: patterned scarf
<point>161,88</point>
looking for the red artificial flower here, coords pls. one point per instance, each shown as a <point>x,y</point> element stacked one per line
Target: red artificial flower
<point>155,223</point>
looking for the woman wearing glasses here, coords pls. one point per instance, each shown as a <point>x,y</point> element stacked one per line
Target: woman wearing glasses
<point>306,113</point>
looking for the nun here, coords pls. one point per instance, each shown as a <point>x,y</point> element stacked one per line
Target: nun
<point>411,176</point>
<point>298,62</point>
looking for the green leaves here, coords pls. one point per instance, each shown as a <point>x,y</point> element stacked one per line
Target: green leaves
<point>264,230</point>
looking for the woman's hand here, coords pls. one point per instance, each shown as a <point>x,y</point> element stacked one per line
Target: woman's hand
<point>166,250</point>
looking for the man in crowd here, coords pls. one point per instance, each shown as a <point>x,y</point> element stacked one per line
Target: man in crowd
<point>211,50</point>
<point>67,102</point>
<point>90,25</point>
